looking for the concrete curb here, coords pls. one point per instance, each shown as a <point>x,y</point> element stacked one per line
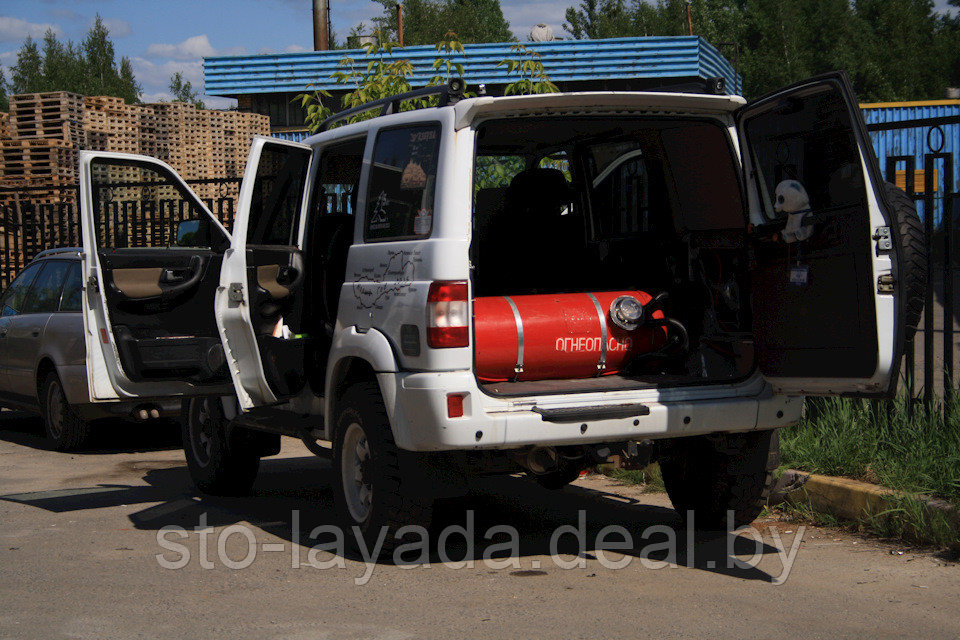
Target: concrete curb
<point>850,499</point>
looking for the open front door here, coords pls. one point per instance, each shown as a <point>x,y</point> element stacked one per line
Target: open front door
<point>261,318</point>
<point>151,269</point>
<point>826,305</point>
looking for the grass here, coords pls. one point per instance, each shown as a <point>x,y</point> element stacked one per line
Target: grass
<point>883,443</point>
<point>649,476</point>
<point>880,443</point>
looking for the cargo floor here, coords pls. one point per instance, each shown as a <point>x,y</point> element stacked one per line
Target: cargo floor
<point>586,385</point>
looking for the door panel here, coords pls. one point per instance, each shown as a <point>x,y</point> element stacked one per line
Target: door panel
<point>152,260</point>
<point>26,329</point>
<point>816,201</point>
<point>11,305</point>
<point>262,322</point>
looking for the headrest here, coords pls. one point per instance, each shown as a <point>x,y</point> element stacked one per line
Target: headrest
<point>540,187</point>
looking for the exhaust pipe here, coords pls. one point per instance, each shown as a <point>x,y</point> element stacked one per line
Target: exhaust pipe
<point>542,459</point>
<point>146,412</point>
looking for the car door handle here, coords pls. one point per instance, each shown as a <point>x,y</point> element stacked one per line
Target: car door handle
<point>35,333</point>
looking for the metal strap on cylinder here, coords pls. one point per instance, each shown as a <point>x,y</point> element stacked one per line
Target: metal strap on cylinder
<point>516,318</point>
<point>603,334</point>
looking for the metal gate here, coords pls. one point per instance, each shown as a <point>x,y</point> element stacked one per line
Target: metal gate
<point>927,174</point>
<point>36,218</point>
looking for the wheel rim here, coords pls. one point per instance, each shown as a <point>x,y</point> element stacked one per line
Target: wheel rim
<point>354,469</point>
<point>56,410</point>
<point>202,426</point>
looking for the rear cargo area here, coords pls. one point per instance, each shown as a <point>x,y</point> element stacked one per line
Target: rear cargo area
<point>609,253</point>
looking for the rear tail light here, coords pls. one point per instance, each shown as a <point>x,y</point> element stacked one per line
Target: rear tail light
<point>448,313</point>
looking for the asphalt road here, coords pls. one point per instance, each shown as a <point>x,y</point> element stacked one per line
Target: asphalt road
<point>79,559</point>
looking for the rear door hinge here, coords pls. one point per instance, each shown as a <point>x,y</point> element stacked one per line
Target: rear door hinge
<point>235,293</point>
<point>93,283</point>
<point>885,283</point>
<point>883,238</point>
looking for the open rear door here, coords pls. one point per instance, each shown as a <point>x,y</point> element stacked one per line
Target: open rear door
<point>826,305</point>
<point>261,318</point>
<point>151,269</point>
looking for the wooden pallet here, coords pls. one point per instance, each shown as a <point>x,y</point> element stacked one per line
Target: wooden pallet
<point>51,116</point>
<point>4,125</point>
<point>26,159</point>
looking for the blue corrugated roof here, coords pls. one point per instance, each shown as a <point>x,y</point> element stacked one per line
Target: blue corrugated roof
<point>563,60</point>
<point>917,141</point>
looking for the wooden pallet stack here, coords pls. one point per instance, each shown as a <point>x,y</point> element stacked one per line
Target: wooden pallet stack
<point>48,129</point>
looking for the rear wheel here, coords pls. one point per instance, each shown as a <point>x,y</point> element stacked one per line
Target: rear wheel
<point>221,461</point>
<point>371,492</point>
<point>723,481</point>
<point>65,429</point>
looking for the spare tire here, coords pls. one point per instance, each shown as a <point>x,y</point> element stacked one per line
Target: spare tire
<point>912,276</point>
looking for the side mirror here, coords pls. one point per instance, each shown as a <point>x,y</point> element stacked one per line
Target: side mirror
<point>188,233</point>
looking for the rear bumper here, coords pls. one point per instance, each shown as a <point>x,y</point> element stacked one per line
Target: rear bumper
<point>91,411</point>
<point>420,421</point>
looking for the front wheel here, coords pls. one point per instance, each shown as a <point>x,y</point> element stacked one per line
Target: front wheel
<point>220,461</point>
<point>725,481</point>
<point>65,429</point>
<point>371,493</point>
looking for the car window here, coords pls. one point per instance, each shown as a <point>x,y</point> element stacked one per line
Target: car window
<point>44,295</point>
<point>277,194</point>
<point>13,297</point>
<point>72,289</point>
<point>335,189</point>
<point>807,146</point>
<point>138,204</point>
<point>402,183</point>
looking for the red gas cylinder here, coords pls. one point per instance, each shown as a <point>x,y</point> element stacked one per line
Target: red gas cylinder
<point>568,335</point>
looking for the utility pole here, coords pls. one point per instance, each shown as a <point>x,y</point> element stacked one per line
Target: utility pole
<point>400,23</point>
<point>321,25</point>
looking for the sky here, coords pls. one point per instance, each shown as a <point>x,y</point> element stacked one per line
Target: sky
<point>162,37</point>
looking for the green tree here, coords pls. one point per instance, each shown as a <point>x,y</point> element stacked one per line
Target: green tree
<point>531,76</point>
<point>88,68</point>
<point>103,77</point>
<point>893,49</point>
<point>4,100</point>
<point>183,91</point>
<point>594,19</point>
<point>27,73</point>
<point>130,89</point>
<point>426,21</point>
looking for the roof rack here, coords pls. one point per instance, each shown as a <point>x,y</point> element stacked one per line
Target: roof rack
<point>46,253</point>
<point>449,93</point>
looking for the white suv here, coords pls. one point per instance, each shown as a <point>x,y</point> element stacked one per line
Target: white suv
<point>503,284</point>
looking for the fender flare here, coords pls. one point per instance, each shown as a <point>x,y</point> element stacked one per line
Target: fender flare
<point>370,347</point>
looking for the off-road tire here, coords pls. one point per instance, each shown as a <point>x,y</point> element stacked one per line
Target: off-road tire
<point>912,277</point>
<point>64,427</point>
<point>222,461</point>
<point>712,477</point>
<point>394,500</point>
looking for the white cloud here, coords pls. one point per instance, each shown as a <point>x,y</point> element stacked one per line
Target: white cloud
<point>522,16</point>
<point>156,76</point>
<point>192,48</point>
<point>216,102</point>
<point>17,30</point>
<point>118,28</point>
<point>295,48</point>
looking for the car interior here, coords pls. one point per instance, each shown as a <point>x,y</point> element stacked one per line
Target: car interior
<point>160,256</point>
<point>591,204</point>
